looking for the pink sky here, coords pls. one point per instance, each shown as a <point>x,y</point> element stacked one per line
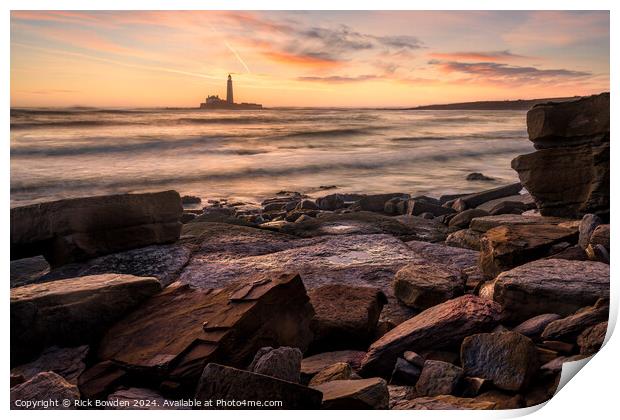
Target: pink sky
<point>406,58</point>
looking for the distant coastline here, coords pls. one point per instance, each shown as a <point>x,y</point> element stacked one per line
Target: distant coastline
<point>519,104</point>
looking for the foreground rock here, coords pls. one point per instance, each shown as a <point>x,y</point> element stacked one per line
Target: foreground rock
<point>505,247</point>
<point>345,316</point>
<point>569,174</point>
<point>312,365</point>
<point>334,372</point>
<point>543,286</point>
<point>438,378</point>
<point>228,384</point>
<point>177,332</point>
<point>357,394</point>
<point>567,329</point>
<point>483,224</point>
<point>44,388</point>
<point>72,311</point>
<point>161,261</point>
<point>226,253</point>
<point>508,359</point>
<point>441,326</point>
<point>421,286</point>
<point>77,229</point>
<point>282,363</point>
<point>591,339</point>
<point>66,362</point>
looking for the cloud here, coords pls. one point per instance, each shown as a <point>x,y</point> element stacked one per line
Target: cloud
<point>501,56</point>
<point>497,72</point>
<point>338,79</point>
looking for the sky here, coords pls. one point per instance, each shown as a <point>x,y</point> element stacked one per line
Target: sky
<point>313,58</point>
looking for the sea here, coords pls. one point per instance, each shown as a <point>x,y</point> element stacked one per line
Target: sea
<point>251,155</point>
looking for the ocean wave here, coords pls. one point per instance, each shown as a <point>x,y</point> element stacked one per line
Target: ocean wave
<point>255,172</point>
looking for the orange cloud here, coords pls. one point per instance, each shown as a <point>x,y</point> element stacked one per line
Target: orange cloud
<point>301,60</point>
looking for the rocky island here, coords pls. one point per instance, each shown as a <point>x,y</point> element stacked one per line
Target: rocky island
<point>348,301</point>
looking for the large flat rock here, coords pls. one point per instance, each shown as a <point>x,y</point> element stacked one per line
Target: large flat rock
<point>482,224</point>
<point>81,228</point>
<point>554,285</point>
<point>72,311</point>
<point>442,326</point>
<point>354,394</point>
<point>354,260</point>
<point>177,332</point>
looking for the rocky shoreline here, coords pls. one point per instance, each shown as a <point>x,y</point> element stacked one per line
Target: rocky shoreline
<point>349,301</point>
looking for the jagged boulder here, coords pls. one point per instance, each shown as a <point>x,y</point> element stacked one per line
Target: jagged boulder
<point>508,359</point>
<point>438,378</point>
<point>568,175</point>
<point>177,332</point>
<point>282,363</point>
<point>421,286</point>
<point>441,326</point>
<point>46,390</point>
<point>77,229</point>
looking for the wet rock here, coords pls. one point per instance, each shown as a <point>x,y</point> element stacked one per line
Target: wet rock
<point>474,200</point>
<point>592,338</point>
<point>414,358</point>
<point>163,262</point>
<point>28,270</point>
<point>400,394</point>
<point>98,381</point>
<point>66,362</point>
<point>190,199</point>
<point>219,382</point>
<point>509,207</point>
<point>45,387</point>
<point>355,260</point>
<point>396,205</point>
<point>405,373</point>
<point>438,378</point>
<point>483,224</point>
<point>282,363</point>
<point>420,229</point>
<point>589,222</point>
<point>335,372</point>
<point>356,394</point>
<point>443,325</point>
<point>463,219</point>
<point>444,402</point>
<point>567,329</point>
<point>477,176</point>
<point>569,174</point>
<point>419,207</point>
<point>376,202</point>
<point>507,359</point>
<point>505,247</point>
<point>518,200</point>
<point>72,311</point>
<point>534,327</point>
<point>330,202</point>
<point>177,332</point>
<point>345,316</point>
<point>77,229</point>
<point>459,258</point>
<point>312,365</point>
<point>307,204</point>
<point>464,238</point>
<point>139,399</point>
<point>421,286</point>
<point>558,286</point>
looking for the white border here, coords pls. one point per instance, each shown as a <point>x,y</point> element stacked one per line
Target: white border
<point>592,395</point>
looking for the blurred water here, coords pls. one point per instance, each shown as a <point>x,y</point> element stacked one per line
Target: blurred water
<point>249,155</point>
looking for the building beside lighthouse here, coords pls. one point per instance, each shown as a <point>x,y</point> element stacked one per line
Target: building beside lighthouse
<point>214,101</point>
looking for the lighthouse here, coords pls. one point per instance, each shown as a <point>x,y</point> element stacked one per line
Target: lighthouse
<point>229,91</point>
